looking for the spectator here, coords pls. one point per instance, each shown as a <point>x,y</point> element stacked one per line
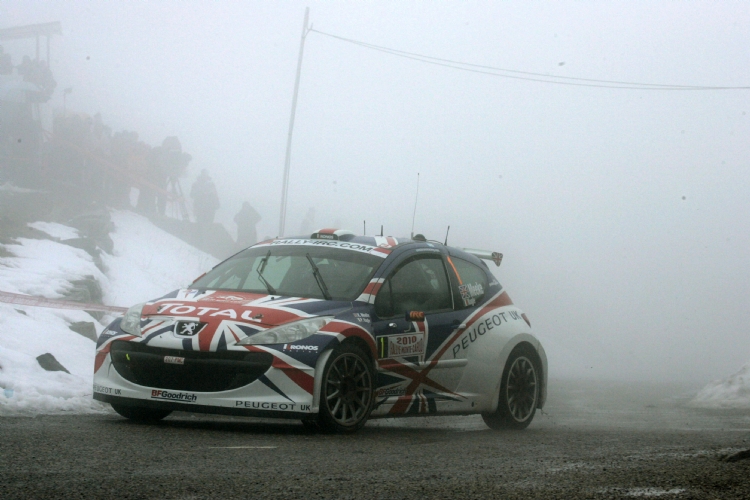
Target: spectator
<point>6,63</point>
<point>246,219</point>
<point>205,199</point>
<point>25,67</point>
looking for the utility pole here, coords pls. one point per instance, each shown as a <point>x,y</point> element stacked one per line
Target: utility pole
<point>287,163</point>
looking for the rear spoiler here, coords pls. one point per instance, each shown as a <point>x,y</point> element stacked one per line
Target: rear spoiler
<point>495,257</point>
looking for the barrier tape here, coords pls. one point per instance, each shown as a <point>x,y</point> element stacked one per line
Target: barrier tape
<point>30,300</point>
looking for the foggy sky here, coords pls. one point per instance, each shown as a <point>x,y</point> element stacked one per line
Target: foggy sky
<point>581,188</point>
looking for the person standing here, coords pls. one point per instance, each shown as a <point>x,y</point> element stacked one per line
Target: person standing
<point>205,199</point>
<point>246,219</point>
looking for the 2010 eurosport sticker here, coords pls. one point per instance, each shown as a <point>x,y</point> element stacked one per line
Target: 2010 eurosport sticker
<point>401,346</point>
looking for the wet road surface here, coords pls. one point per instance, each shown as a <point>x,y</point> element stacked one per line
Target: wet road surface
<point>594,440</point>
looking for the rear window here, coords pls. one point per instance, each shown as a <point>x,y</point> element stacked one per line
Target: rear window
<point>472,282</point>
<point>289,272</point>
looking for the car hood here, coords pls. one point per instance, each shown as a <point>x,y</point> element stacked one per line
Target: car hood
<point>258,311</point>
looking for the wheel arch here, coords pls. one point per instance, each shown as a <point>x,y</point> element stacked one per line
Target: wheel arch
<point>534,348</point>
<point>323,359</point>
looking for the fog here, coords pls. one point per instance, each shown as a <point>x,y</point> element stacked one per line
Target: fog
<point>623,214</point>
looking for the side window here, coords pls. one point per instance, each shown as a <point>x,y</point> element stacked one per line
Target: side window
<point>472,282</point>
<point>419,284</point>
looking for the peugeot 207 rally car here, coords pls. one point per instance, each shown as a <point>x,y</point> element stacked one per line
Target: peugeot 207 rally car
<point>332,330</point>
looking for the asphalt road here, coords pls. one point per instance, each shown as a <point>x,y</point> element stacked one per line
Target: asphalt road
<point>593,441</point>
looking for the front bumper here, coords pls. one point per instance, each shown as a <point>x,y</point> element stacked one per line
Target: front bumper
<point>278,389</point>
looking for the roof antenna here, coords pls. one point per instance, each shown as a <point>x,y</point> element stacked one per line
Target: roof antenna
<point>446,236</point>
<point>364,233</point>
<point>415,208</point>
<point>381,230</point>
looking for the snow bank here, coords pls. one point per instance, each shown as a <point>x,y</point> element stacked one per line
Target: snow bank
<point>732,392</point>
<point>55,230</point>
<point>146,264</point>
<point>45,268</point>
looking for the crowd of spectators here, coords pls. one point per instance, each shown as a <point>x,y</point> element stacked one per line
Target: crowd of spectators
<point>109,165</point>
<point>83,156</point>
<point>33,71</point>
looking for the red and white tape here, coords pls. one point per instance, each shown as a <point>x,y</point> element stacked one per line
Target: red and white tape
<point>30,300</point>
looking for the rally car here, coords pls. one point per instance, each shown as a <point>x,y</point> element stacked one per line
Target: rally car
<point>330,329</point>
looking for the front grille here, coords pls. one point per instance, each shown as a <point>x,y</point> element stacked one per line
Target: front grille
<point>201,371</point>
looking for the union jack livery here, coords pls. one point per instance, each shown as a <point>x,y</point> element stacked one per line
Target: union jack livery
<point>331,329</point>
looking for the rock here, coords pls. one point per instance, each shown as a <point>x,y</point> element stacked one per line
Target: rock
<point>89,246</point>
<point>86,290</point>
<point>85,328</point>
<point>49,363</point>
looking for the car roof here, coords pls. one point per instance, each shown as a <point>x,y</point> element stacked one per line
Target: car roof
<point>388,242</point>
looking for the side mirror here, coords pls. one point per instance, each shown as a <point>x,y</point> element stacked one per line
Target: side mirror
<point>414,316</point>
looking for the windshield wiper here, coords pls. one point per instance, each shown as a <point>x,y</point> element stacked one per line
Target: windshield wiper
<point>319,278</point>
<point>260,269</point>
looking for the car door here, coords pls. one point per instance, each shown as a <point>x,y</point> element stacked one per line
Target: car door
<point>414,320</point>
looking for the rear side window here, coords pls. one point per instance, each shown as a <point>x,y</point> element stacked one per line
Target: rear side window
<point>419,284</point>
<point>472,282</point>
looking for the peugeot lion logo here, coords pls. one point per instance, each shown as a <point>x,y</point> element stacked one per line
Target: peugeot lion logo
<point>188,328</point>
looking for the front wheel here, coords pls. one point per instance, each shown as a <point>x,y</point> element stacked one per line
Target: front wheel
<point>347,390</point>
<point>519,393</point>
<point>138,414</point>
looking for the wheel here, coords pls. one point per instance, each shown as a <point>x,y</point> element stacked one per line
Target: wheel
<point>139,414</point>
<point>519,393</point>
<point>347,390</point>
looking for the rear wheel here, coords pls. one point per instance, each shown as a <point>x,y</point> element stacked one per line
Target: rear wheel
<point>347,390</point>
<point>519,393</point>
<point>140,414</point>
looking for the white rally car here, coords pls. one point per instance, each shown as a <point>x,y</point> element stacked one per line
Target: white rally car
<point>332,329</point>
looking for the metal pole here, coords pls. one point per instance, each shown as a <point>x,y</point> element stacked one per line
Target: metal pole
<point>287,163</point>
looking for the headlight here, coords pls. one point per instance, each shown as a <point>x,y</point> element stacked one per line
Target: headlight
<point>131,322</point>
<point>291,332</point>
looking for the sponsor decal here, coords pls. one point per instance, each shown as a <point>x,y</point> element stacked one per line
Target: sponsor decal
<point>300,348</point>
<point>362,317</point>
<point>391,391</point>
<point>470,292</point>
<point>106,390</point>
<point>213,312</point>
<point>400,346</point>
<point>174,360</point>
<point>259,405</point>
<point>180,397</point>
<point>484,325</point>
<point>188,328</point>
<point>225,298</point>
<point>327,243</point>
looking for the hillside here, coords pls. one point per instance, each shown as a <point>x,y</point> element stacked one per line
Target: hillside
<point>145,262</point>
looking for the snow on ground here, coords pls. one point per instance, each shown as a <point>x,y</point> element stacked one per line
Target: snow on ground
<point>55,230</point>
<point>44,268</point>
<point>146,264</point>
<point>731,392</point>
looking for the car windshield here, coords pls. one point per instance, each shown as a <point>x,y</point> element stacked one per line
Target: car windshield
<point>288,271</point>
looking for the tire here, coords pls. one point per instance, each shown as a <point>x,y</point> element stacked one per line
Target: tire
<point>519,393</point>
<point>347,390</point>
<point>138,414</point>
